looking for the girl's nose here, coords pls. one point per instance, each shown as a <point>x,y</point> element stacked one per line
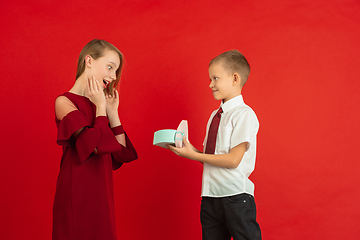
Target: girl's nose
<point>113,75</point>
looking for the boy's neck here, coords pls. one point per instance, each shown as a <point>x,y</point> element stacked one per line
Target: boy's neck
<point>225,100</point>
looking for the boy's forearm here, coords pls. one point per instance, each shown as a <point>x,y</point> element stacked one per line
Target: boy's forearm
<point>228,160</point>
<point>220,160</point>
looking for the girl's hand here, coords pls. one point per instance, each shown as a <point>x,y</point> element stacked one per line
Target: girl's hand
<point>112,105</point>
<point>112,102</point>
<point>96,95</point>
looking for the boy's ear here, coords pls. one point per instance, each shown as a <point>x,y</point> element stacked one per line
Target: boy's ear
<point>236,78</point>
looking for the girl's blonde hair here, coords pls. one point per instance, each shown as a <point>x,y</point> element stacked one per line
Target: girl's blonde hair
<point>96,48</point>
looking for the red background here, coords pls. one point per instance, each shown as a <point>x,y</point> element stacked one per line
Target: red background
<point>304,88</point>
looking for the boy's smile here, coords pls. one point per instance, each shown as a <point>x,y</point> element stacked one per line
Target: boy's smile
<point>222,83</point>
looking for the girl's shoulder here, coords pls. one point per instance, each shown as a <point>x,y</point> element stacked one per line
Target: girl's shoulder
<point>64,104</point>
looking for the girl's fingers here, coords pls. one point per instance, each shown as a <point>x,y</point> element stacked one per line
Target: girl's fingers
<point>112,95</point>
<point>90,84</point>
<point>96,83</point>
<point>93,84</point>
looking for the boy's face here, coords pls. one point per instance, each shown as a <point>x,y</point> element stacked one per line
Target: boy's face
<point>222,83</point>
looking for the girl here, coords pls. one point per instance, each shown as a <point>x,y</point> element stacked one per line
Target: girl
<point>94,143</point>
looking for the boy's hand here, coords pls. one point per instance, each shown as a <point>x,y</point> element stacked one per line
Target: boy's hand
<point>187,151</point>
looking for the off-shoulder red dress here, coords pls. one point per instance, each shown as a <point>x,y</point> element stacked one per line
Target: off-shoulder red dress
<point>84,199</point>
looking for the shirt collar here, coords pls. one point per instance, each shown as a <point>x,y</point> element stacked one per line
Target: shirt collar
<point>230,104</point>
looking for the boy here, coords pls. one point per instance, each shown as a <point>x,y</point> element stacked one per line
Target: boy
<point>227,207</point>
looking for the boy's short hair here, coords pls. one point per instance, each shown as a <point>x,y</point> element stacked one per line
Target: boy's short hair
<point>235,62</point>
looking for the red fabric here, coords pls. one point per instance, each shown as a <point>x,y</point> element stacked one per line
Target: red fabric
<point>84,202</point>
<point>118,130</point>
<point>213,130</point>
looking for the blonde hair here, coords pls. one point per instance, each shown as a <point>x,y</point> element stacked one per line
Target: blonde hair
<point>96,48</point>
<point>235,62</point>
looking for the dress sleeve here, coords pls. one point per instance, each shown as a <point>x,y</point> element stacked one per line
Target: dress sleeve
<point>98,136</point>
<point>126,154</point>
<point>72,122</point>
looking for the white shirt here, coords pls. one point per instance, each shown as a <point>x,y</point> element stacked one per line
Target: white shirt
<point>238,124</point>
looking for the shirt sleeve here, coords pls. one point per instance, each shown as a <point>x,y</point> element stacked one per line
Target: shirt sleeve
<point>245,127</point>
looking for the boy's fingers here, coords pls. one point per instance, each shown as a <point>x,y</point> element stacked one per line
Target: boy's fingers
<point>173,149</point>
<point>185,141</point>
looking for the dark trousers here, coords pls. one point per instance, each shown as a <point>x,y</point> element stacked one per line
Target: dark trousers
<point>226,217</point>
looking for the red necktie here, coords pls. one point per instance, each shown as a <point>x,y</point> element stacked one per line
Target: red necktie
<point>212,134</point>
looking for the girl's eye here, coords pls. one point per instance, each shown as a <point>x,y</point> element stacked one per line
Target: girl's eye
<point>110,67</point>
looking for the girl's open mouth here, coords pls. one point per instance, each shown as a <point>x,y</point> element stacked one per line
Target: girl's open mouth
<point>106,84</point>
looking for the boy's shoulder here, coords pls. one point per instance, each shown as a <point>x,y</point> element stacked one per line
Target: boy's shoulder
<point>242,109</point>
<point>243,113</point>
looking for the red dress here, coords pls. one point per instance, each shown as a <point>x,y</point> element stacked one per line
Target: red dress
<point>84,199</point>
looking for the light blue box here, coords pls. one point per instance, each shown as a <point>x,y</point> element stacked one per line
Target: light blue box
<point>164,137</point>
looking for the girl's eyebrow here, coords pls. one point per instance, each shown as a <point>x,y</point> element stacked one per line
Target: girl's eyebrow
<point>113,63</point>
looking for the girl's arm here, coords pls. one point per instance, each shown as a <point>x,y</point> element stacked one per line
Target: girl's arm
<point>112,105</point>
<point>128,152</point>
<point>98,138</point>
<point>63,106</point>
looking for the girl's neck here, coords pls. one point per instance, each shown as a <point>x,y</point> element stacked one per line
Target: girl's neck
<point>80,86</point>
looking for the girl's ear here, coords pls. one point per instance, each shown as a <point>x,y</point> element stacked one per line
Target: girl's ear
<point>88,60</point>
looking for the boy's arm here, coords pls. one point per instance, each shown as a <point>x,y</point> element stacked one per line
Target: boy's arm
<point>228,160</point>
